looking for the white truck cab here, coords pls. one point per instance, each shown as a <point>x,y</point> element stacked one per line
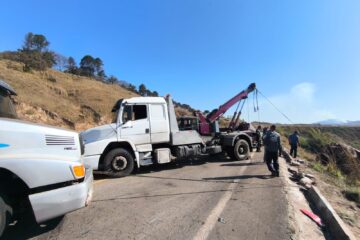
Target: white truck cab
<point>144,132</point>
<point>41,167</point>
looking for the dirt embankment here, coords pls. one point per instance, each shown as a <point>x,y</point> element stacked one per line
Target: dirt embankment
<point>344,157</point>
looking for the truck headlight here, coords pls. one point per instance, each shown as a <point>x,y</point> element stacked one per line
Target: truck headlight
<point>78,171</point>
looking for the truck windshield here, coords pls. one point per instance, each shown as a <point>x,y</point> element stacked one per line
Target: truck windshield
<point>7,109</point>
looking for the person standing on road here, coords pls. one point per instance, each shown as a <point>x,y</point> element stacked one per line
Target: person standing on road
<point>294,143</point>
<point>258,138</point>
<point>265,130</point>
<point>273,149</point>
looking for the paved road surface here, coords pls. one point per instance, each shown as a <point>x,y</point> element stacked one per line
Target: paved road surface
<point>178,202</point>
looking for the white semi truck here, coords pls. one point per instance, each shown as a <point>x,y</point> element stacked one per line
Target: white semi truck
<point>41,168</point>
<point>145,131</point>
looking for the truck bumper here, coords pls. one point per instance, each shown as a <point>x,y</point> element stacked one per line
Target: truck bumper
<point>54,203</point>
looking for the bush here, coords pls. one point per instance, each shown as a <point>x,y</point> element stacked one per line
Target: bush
<point>316,140</point>
<point>317,166</point>
<point>333,170</point>
<point>352,194</point>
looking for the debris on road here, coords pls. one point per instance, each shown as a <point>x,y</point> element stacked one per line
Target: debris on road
<point>313,216</point>
<point>310,176</point>
<point>300,161</point>
<point>306,182</point>
<point>293,170</point>
<point>221,220</point>
<point>296,164</point>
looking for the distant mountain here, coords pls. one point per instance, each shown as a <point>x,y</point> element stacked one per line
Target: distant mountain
<point>337,122</point>
<point>353,123</point>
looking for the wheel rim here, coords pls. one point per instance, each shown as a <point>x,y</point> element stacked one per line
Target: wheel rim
<point>242,150</point>
<point>119,163</point>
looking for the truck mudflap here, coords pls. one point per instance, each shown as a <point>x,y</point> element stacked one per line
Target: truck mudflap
<point>54,203</point>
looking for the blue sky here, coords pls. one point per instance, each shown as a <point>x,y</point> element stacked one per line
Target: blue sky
<point>303,55</point>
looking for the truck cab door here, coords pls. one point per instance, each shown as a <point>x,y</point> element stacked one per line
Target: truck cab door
<point>159,124</point>
<point>135,124</point>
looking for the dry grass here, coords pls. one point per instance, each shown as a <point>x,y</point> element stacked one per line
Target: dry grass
<point>63,99</point>
<point>66,96</point>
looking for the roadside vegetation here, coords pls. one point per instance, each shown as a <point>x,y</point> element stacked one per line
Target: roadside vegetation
<point>331,151</point>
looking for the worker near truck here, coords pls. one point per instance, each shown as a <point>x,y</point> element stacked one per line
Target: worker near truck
<point>294,143</point>
<point>273,149</point>
<point>258,138</point>
<point>265,130</point>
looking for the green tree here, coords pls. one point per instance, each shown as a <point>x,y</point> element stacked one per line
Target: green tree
<point>98,64</point>
<point>112,80</point>
<point>61,62</point>
<point>92,67</point>
<point>142,90</point>
<point>132,88</point>
<point>35,54</point>
<point>35,42</point>
<point>87,66</point>
<point>71,66</point>
<point>101,76</point>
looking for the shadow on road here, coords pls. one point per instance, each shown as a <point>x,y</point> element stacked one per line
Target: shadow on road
<point>242,164</point>
<point>241,189</point>
<point>29,229</point>
<point>172,165</point>
<point>241,177</point>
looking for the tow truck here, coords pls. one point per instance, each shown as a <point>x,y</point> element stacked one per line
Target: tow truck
<point>145,131</point>
<point>237,132</point>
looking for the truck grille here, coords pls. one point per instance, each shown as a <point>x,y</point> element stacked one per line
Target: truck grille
<point>59,140</point>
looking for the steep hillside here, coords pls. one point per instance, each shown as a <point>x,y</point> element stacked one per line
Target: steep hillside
<point>61,99</point>
<point>326,134</point>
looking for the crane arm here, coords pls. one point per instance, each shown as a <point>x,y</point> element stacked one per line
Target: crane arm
<point>214,115</point>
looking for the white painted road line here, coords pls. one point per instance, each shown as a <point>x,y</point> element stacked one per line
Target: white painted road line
<point>211,220</point>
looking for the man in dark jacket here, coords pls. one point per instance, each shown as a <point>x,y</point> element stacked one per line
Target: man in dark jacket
<point>294,143</point>
<point>258,138</point>
<point>273,149</point>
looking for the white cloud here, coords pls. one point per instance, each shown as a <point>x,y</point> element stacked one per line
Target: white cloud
<point>303,91</point>
<point>299,104</point>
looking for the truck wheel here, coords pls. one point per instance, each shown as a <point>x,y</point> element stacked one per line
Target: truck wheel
<point>119,162</point>
<point>5,214</point>
<point>241,150</point>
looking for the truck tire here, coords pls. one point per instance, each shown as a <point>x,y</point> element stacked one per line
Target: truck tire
<point>119,162</point>
<point>241,150</point>
<point>5,214</point>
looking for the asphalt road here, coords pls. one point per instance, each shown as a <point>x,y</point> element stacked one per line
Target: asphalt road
<point>207,199</point>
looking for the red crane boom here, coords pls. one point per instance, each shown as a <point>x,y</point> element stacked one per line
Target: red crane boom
<point>217,113</point>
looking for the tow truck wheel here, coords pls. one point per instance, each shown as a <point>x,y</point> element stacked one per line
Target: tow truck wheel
<point>241,150</point>
<point>119,162</point>
<point>5,214</point>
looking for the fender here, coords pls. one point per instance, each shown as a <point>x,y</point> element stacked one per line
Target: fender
<point>132,145</point>
<point>229,139</point>
<point>94,150</point>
